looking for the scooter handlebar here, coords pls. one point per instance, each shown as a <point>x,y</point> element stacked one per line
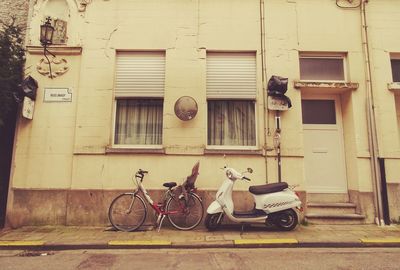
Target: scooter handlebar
<point>245,178</point>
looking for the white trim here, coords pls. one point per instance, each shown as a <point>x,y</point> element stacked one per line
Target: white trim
<point>137,146</point>
<point>339,128</point>
<point>341,56</point>
<point>236,147</point>
<point>132,146</point>
<point>394,86</point>
<point>397,58</point>
<point>231,147</point>
<point>132,69</point>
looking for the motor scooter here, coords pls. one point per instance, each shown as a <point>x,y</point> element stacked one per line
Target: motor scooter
<point>275,204</point>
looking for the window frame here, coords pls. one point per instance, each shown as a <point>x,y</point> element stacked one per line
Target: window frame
<point>341,56</point>
<point>224,98</point>
<point>394,56</point>
<point>114,110</point>
<point>230,146</point>
<point>134,146</point>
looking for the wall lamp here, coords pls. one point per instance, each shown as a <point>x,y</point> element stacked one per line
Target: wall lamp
<point>46,39</point>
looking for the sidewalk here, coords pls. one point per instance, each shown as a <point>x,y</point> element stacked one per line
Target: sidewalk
<point>62,238</point>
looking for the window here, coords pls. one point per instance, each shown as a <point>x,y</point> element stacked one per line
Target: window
<point>322,68</point>
<point>139,95</point>
<point>231,122</point>
<point>397,104</point>
<point>318,111</point>
<point>231,94</point>
<point>395,69</point>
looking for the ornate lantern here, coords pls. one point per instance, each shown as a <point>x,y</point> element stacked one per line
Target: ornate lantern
<point>46,38</point>
<point>46,33</point>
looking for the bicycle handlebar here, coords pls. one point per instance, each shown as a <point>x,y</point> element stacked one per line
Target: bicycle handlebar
<point>142,171</point>
<point>140,174</point>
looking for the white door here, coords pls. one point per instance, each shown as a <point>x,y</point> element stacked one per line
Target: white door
<point>324,158</point>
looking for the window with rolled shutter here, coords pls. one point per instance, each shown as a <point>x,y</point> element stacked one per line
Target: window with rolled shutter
<point>140,74</point>
<point>231,75</point>
<point>139,92</point>
<point>231,94</point>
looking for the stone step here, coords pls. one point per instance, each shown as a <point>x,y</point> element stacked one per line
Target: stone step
<point>332,219</point>
<point>327,197</point>
<point>331,208</point>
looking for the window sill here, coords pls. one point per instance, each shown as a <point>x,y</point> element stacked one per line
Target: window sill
<point>255,152</point>
<point>394,86</point>
<point>338,86</point>
<point>113,150</point>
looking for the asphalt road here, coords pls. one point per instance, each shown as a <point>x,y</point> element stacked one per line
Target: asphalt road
<point>202,259</point>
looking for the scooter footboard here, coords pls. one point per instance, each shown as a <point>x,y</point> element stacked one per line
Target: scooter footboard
<point>214,208</point>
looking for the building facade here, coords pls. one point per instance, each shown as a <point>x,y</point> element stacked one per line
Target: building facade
<point>107,104</point>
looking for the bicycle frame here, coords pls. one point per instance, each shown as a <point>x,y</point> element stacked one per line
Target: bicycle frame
<point>158,207</point>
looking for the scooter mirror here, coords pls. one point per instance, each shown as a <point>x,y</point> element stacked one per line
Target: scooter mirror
<point>250,170</point>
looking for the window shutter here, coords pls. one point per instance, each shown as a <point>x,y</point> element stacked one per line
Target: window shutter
<point>140,74</point>
<point>231,75</point>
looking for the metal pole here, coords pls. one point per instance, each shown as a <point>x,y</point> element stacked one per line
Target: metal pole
<point>278,143</point>
<point>372,130</point>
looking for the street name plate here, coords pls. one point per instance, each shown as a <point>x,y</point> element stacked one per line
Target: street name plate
<point>57,95</point>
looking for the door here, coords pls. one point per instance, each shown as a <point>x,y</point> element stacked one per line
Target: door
<point>324,157</point>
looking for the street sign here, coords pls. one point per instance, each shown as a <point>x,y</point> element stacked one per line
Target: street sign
<point>277,103</point>
<point>57,95</point>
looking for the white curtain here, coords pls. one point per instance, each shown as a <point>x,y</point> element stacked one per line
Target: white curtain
<point>231,122</point>
<point>139,122</point>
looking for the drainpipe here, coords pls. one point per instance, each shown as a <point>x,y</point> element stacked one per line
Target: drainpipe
<point>372,130</point>
<point>264,90</point>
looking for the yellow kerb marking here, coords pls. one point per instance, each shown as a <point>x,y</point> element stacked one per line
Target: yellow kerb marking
<point>380,240</point>
<point>266,241</point>
<point>21,243</point>
<point>139,243</point>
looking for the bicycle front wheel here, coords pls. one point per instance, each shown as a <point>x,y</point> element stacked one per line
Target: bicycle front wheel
<point>185,215</point>
<point>127,212</point>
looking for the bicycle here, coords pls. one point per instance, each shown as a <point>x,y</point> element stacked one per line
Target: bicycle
<point>184,209</point>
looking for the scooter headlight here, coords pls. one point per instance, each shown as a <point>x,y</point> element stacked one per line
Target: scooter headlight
<point>229,174</point>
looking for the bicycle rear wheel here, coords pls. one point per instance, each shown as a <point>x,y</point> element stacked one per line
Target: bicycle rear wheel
<point>127,212</point>
<point>185,215</point>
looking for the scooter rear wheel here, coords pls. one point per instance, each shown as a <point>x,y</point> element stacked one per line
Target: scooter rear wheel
<point>286,220</point>
<point>213,221</point>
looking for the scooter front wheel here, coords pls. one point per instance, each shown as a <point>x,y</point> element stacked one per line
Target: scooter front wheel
<point>213,221</point>
<point>286,220</point>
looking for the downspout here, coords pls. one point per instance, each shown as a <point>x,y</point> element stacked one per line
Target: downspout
<point>372,130</point>
<point>264,75</point>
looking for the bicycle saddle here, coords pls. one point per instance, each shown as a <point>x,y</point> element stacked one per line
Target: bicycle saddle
<point>169,184</point>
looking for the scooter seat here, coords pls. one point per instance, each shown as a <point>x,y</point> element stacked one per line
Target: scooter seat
<point>268,188</point>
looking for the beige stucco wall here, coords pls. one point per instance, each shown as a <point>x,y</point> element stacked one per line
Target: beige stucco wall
<point>187,30</point>
<point>385,39</point>
<point>65,145</point>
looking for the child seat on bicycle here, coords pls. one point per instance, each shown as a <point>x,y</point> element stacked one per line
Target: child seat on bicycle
<point>188,184</point>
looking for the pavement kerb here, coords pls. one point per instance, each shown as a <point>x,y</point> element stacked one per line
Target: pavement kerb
<point>69,238</point>
<point>257,243</point>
